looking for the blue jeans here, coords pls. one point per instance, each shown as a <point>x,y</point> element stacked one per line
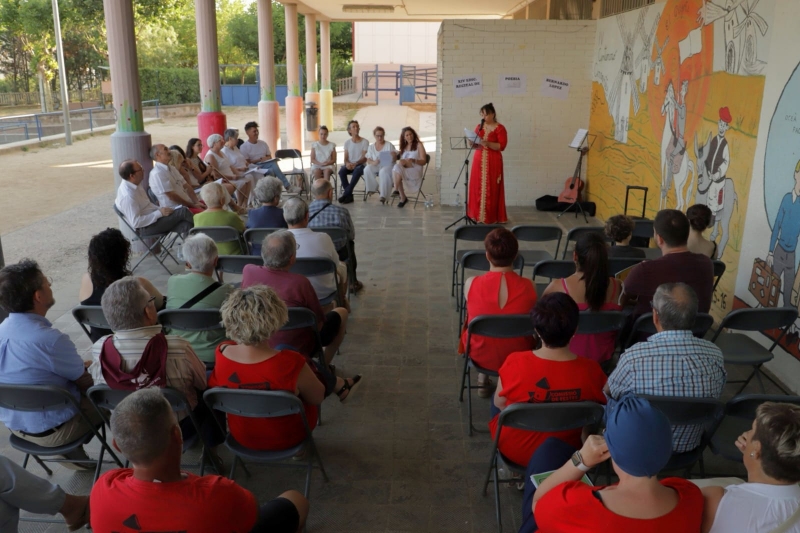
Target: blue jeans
<point>550,455</point>
<point>347,187</point>
<point>273,169</point>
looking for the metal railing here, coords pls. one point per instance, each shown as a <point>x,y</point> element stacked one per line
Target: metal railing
<point>371,81</point>
<point>344,86</point>
<point>423,80</point>
<point>32,98</point>
<point>613,7</point>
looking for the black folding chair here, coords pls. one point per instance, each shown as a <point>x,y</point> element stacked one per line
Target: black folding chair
<point>551,269</point>
<point>339,234</point>
<point>293,155</point>
<point>318,266</point>
<point>719,270</point>
<point>618,264</point>
<point>234,264</point>
<point>576,233</point>
<point>644,325</point>
<point>191,319</point>
<point>222,234</point>
<point>496,327</point>
<point>644,230</point>
<point>537,234</point>
<point>739,349</point>
<point>90,316</point>
<point>255,236</point>
<point>159,240</point>
<point>477,261</point>
<point>265,404</point>
<point>472,234</point>
<point>540,417</point>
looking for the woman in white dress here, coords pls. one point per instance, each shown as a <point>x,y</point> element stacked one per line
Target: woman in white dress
<point>379,178</point>
<point>222,168</point>
<point>323,156</point>
<point>407,172</point>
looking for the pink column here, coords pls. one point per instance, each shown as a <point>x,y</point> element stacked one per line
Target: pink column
<point>312,86</point>
<point>294,102</point>
<point>211,118</point>
<point>325,94</point>
<point>268,109</point>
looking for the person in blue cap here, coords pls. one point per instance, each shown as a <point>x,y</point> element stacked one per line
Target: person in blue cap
<point>638,440</point>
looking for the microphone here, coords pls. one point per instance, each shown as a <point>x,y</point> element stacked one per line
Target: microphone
<point>482,121</point>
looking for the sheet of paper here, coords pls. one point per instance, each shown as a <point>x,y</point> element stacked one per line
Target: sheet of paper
<point>578,140</point>
<point>512,84</point>
<point>385,158</point>
<point>471,136</point>
<point>537,479</point>
<point>555,88</point>
<point>467,86</point>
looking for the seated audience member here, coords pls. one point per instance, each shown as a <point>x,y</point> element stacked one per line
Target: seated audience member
<point>637,440</point>
<point>672,362</point>
<point>21,490</point>
<point>155,495</point>
<point>322,213</point>
<point>238,161</point>
<point>379,178</point>
<point>279,252</point>
<point>138,354</point>
<point>221,167</point>
<point>700,217</point>
<point>216,215</point>
<point>143,215</point>
<point>323,156</point>
<point>169,187</point>
<point>771,496</point>
<point>619,229</point>
<point>355,156</point>
<point>501,291</point>
<point>197,289</point>
<point>677,264</point>
<point>550,374</point>
<point>203,173</point>
<point>407,172</point>
<point>33,352</point>
<point>315,244</point>
<point>251,316</point>
<point>269,215</point>
<point>256,152</point>
<point>594,290</point>
<point>109,257</point>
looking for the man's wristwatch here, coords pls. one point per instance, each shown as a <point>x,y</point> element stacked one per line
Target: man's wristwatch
<point>577,462</point>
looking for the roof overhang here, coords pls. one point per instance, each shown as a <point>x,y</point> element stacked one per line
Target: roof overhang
<point>407,10</point>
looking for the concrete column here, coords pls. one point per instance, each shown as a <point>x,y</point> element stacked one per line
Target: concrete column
<point>268,109</point>
<point>312,86</point>
<point>211,118</point>
<point>325,94</point>
<point>294,102</point>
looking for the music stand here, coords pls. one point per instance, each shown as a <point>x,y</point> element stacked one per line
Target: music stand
<point>581,152</point>
<point>460,143</point>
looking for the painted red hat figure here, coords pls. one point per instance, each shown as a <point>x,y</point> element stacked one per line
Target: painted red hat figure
<point>725,115</point>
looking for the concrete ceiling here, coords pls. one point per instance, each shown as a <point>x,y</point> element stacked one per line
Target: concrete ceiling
<point>411,10</point>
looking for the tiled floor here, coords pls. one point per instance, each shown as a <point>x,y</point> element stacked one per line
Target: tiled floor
<point>397,453</point>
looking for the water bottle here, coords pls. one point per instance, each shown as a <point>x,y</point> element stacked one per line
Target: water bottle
<point>429,203</point>
<point>458,199</point>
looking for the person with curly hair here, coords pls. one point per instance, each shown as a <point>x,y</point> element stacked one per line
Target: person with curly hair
<point>109,260</point>
<point>619,229</point>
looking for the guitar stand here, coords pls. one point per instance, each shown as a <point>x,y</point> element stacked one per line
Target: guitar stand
<point>577,202</point>
<point>580,208</point>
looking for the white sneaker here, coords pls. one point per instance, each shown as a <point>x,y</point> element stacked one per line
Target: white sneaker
<point>294,189</point>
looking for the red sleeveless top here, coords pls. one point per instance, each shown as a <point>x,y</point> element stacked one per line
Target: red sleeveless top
<point>482,300</point>
<point>599,346</point>
<point>279,372</point>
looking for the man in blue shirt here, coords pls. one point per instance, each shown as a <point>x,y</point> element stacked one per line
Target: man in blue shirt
<point>32,352</point>
<point>783,242</point>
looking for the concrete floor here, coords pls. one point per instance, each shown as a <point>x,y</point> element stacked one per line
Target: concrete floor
<point>397,453</point>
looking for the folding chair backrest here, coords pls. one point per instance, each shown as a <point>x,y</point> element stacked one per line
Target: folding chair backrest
<point>501,326</point>
<point>759,319</point>
<point>643,228</point>
<point>104,397</point>
<point>644,324</point>
<point>719,270</point>
<point>152,196</point>
<point>478,261</point>
<point>176,399</point>
<point>533,233</point>
<point>683,411</point>
<point>334,232</point>
<point>256,236</point>
<point>35,398</point>
<point>551,417</point>
<point>552,268</point>
<point>745,405</point>
<point>474,233</point>
<point>293,154</point>
<point>90,316</point>
<point>253,403</point>
<point>592,322</point>
<point>191,319</point>
<point>299,318</point>
<point>218,233</point>
<point>313,266</point>
<point>234,264</point>
<point>618,264</point>
<point>575,233</point>
<point>125,220</point>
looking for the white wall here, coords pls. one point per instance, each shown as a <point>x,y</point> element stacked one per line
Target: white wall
<point>537,159</point>
<point>405,43</point>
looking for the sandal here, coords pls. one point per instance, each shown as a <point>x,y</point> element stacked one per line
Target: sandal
<point>356,286</point>
<point>347,388</point>
<point>486,388</point>
<point>403,203</point>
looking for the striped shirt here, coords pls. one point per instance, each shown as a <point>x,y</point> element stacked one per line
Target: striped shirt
<point>185,371</point>
<point>672,363</point>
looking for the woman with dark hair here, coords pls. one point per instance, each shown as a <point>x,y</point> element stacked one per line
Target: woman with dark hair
<point>407,172</point>
<point>551,373</point>
<point>700,216</point>
<point>594,290</point>
<point>201,172</point>
<point>619,229</point>
<point>501,291</point>
<point>109,256</point>
<point>487,197</point>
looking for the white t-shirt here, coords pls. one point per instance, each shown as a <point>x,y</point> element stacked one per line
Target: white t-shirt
<point>254,151</point>
<point>322,152</point>
<point>372,152</point>
<point>756,508</point>
<point>235,156</point>
<point>355,150</point>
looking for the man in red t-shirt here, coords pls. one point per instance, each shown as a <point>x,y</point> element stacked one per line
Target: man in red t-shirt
<point>677,264</point>
<point>155,496</point>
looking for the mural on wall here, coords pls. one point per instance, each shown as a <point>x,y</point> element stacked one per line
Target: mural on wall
<point>686,127</point>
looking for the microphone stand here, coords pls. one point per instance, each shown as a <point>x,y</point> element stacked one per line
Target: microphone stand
<point>465,171</point>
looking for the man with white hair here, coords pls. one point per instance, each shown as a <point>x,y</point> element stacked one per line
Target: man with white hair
<point>197,289</point>
<point>170,188</point>
<point>155,495</point>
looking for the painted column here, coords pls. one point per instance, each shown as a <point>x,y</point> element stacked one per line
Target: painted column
<point>211,118</point>
<point>312,85</point>
<point>325,94</point>
<point>294,102</point>
<point>268,109</point>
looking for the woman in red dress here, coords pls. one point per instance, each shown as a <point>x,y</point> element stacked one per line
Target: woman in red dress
<point>487,198</point>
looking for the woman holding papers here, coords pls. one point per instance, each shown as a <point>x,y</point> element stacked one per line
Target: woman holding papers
<point>407,172</point>
<point>487,202</point>
<point>378,172</point>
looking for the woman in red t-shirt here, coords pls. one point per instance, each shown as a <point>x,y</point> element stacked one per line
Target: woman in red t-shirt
<point>550,374</point>
<point>501,291</point>
<point>250,318</point>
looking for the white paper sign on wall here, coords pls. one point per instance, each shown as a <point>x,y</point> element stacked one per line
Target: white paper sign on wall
<point>511,84</point>
<point>467,86</point>
<point>555,88</point>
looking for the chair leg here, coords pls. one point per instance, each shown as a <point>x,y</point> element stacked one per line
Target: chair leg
<point>464,379</point>
<point>492,465</point>
<point>469,406</point>
<point>497,497</point>
<point>309,469</point>
<point>25,461</point>
<point>41,463</point>
<point>233,466</point>
<point>746,382</point>
<point>321,466</point>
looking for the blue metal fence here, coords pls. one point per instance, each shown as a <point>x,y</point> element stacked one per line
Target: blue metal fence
<point>249,94</point>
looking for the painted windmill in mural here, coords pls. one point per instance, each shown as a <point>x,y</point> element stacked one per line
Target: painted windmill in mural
<point>740,33</point>
<point>643,61</point>
<point>624,88</point>
<point>658,64</point>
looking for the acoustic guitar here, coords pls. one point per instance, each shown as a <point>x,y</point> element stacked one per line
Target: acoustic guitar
<point>574,185</point>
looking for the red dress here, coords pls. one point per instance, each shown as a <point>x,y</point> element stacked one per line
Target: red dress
<point>487,197</point>
<point>599,346</point>
<point>482,300</point>
<point>572,507</point>
<point>279,372</point>
<point>527,378</point>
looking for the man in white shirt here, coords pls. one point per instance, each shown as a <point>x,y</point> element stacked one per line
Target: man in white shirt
<point>257,153</point>
<point>315,244</point>
<point>140,213</point>
<point>170,189</point>
<point>355,157</point>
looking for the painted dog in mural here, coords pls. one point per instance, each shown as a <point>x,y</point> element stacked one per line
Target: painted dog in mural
<point>721,222</point>
<point>669,170</point>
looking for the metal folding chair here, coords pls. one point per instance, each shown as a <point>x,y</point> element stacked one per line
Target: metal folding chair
<point>467,233</point>
<point>644,324</point>
<point>255,236</point>
<point>234,264</point>
<point>618,264</point>
<point>396,195</point>
<point>220,234</point>
<point>159,240</point>
<point>477,261</point>
<point>290,154</point>
<point>643,229</point>
<point>90,316</point>
<point>719,270</point>
<point>551,269</point>
<point>537,234</point>
<point>318,266</point>
<point>191,319</point>
<point>575,233</point>
<point>337,233</point>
